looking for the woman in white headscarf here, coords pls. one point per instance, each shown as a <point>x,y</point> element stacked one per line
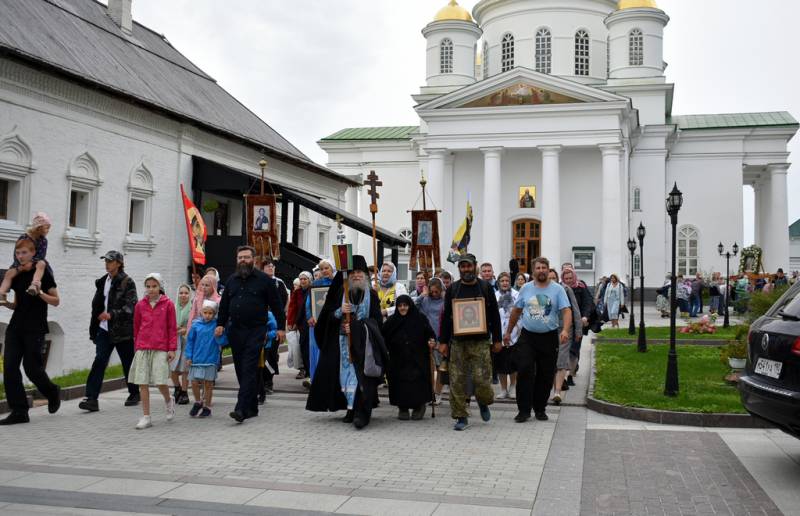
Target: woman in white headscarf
<point>389,289</point>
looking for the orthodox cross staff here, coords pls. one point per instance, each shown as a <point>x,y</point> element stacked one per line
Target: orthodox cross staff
<point>374,183</point>
<point>343,259</point>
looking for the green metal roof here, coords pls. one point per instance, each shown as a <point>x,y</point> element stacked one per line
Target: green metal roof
<point>374,133</point>
<point>794,229</point>
<point>732,120</point>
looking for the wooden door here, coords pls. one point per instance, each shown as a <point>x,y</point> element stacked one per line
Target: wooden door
<point>527,236</point>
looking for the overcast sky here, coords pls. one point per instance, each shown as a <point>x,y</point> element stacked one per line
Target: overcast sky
<point>312,67</point>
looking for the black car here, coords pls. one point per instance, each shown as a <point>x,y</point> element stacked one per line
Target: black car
<point>770,384</point>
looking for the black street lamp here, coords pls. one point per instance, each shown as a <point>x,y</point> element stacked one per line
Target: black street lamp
<point>674,203</point>
<point>727,255</point>
<point>632,282</point>
<point>642,345</point>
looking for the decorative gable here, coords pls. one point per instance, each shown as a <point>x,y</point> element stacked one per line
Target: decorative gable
<point>521,94</point>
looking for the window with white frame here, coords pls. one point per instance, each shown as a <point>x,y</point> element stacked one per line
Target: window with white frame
<point>446,56</point>
<point>405,234</point>
<point>608,56</point>
<point>637,267</point>
<point>637,199</point>
<point>323,249</point>
<point>544,49</point>
<point>16,167</point>
<point>507,59</point>
<point>688,244</point>
<point>582,53</point>
<point>485,59</point>
<point>83,187</point>
<point>635,48</point>
<point>140,210</point>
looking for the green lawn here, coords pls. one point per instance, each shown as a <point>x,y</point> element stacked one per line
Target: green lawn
<point>74,378</point>
<point>662,332</point>
<point>630,378</point>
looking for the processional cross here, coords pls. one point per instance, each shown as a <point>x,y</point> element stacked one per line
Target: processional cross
<point>374,183</point>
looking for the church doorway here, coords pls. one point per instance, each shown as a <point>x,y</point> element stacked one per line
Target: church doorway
<point>527,239</point>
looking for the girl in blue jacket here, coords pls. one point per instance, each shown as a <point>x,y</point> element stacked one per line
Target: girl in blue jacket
<point>202,357</point>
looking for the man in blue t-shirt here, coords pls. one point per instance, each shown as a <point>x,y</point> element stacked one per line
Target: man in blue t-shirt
<point>536,351</point>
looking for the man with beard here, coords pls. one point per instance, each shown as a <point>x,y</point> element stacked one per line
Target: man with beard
<point>341,380</point>
<point>536,351</point>
<point>248,295</point>
<point>470,355</point>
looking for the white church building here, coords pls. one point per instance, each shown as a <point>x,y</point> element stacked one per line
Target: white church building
<point>568,99</point>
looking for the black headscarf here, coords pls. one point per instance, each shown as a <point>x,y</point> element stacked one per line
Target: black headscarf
<point>397,321</point>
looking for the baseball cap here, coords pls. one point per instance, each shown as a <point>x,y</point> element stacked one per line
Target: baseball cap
<point>113,256</point>
<point>469,257</point>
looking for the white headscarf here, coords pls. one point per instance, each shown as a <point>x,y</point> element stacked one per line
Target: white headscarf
<point>157,277</point>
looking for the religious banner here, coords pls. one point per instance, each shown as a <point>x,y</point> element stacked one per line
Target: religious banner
<point>262,231</point>
<point>195,228</point>
<point>424,240</point>
<point>343,257</point>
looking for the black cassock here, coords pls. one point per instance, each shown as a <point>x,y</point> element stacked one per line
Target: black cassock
<point>409,371</point>
<point>326,391</point>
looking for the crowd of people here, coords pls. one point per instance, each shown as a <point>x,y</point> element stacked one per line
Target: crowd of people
<point>465,335</point>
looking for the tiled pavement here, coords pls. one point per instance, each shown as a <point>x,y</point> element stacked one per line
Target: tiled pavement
<point>289,461</point>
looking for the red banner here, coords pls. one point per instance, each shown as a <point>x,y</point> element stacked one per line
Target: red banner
<point>196,229</point>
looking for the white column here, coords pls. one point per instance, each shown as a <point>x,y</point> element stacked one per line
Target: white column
<point>435,188</point>
<point>611,235</point>
<point>777,254</point>
<point>488,216</point>
<point>758,234</point>
<point>549,201</point>
<point>351,205</point>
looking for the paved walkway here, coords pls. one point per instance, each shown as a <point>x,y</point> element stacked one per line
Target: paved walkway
<point>289,461</point>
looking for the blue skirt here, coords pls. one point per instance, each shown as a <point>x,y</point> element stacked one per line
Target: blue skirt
<point>203,373</point>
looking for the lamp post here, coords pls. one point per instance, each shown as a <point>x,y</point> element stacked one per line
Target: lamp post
<point>632,282</point>
<point>674,203</point>
<point>642,344</point>
<point>727,255</point>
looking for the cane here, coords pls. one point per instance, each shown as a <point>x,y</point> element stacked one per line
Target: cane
<point>433,386</point>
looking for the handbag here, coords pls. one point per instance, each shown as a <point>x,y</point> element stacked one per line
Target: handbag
<point>295,358</point>
<point>371,367</point>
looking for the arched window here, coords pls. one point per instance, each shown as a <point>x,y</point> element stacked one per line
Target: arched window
<point>405,234</point>
<point>543,50</point>
<point>507,61</point>
<point>446,56</point>
<point>637,199</point>
<point>485,59</point>
<point>635,48</point>
<point>582,53</point>
<point>688,243</point>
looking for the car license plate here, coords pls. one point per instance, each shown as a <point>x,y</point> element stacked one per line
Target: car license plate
<point>769,368</point>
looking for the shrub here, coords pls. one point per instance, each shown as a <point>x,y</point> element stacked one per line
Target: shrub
<point>760,302</point>
<point>733,349</point>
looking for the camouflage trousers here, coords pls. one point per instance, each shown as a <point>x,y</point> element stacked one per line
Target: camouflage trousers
<point>470,358</point>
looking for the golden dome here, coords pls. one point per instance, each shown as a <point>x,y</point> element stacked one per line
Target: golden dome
<point>633,4</point>
<point>453,11</point>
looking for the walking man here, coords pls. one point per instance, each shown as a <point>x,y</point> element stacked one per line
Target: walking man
<point>470,353</point>
<point>536,351</point>
<point>111,326</point>
<point>248,294</point>
<point>25,337</point>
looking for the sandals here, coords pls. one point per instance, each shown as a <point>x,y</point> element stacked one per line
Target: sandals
<point>33,290</point>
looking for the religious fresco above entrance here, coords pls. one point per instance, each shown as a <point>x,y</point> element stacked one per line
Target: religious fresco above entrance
<point>521,94</point>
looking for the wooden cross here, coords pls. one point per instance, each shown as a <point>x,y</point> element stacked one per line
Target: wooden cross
<point>374,183</point>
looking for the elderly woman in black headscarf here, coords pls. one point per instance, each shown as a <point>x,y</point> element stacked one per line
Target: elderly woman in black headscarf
<point>410,339</point>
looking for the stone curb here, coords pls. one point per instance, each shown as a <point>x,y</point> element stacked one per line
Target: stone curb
<point>77,391</point>
<point>666,417</point>
<point>679,342</point>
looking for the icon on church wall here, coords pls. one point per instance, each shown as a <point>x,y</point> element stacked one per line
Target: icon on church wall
<point>425,232</point>
<point>527,196</point>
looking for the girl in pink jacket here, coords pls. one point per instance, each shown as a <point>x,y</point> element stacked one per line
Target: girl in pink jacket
<point>155,337</point>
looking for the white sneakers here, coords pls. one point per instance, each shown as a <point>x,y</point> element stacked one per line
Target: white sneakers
<point>143,423</point>
<point>512,391</point>
<point>170,409</point>
<point>147,422</point>
<point>503,395</point>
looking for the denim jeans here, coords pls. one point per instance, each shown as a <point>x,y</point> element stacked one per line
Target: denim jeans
<point>103,349</point>
<point>694,305</point>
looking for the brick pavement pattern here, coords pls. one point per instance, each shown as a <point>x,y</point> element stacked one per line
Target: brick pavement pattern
<point>633,472</point>
<point>289,445</point>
